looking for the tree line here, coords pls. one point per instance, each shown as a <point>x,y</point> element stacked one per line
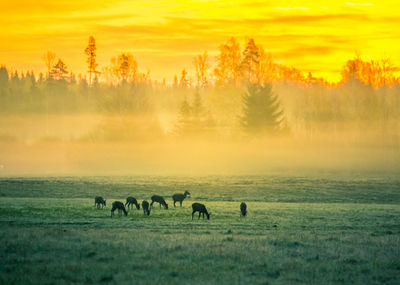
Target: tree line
<point>247,90</point>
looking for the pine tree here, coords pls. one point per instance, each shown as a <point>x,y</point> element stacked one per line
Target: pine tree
<point>59,70</point>
<point>90,52</point>
<point>261,111</point>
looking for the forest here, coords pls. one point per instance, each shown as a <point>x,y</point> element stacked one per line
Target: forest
<point>242,95</point>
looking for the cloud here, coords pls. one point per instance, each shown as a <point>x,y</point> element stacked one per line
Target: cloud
<point>359,4</point>
<point>306,51</point>
<point>291,8</point>
<point>175,26</point>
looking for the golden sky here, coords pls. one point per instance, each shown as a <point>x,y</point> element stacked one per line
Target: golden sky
<point>164,36</point>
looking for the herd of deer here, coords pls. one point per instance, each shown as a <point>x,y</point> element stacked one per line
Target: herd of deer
<point>130,201</point>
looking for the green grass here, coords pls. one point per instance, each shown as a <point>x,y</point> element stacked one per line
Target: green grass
<point>299,230</point>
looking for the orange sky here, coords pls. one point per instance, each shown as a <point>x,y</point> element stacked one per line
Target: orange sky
<point>164,36</point>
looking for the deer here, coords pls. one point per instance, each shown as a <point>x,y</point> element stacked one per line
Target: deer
<point>243,209</point>
<point>130,201</point>
<point>145,207</point>
<point>117,205</point>
<point>98,200</point>
<point>180,197</point>
<point>158,199</point>
<point>197,207</point>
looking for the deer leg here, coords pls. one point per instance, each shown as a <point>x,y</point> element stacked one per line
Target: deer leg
<point>192,215</point>
<point>174,203</point>
<point>199,215</point>
<point>181,203</point>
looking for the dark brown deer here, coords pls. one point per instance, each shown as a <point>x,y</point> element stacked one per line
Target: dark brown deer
<point>243,209</point>
<point>130,201</point>
<point>197,207</point>
<point>180,197</point>
<point>117,205</point>
<point>146,208</point>
<point>158,199</point>
<point>98,200</point>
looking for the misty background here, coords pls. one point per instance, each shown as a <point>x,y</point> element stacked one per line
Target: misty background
<point>240,113</point>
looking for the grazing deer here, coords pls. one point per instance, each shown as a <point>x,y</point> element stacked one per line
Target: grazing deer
<point>146,209</point>
<point>98,200</point>
<point>243,209</point>
<point>158,199</point>
<point>180,197</point>
<point>130,201</point>
<point>117,205</point>
<point>197,207</point>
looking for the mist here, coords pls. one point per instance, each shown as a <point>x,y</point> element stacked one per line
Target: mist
<point>245,117</point>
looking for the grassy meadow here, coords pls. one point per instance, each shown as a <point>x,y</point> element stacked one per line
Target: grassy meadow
<point>325,229</point>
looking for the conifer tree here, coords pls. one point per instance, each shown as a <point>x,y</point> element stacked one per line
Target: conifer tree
<point>261,111</point>
<point>90,51</point>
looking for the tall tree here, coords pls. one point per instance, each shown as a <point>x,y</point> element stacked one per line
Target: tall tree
<point>90,51</point>
<point>228,63</point>
<point>49,59</point>
<point>201,65</point>
<point>251,62</point>
<point>261,111</point>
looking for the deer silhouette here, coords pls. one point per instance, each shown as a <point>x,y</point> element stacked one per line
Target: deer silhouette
<point>197,207</point>
<point>180,197</point>
<point>130,201</point>
<point>98,200</point>
<point>158,199</point>
<point>117,205</point>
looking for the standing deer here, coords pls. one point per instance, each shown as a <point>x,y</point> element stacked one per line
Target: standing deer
<point>117,205</point>
<point>197,207</point>
<point>130,201</point>
<point>146,209</point>
<point>98,200</point>
<point>180,197</point>
<point>158,199</point>
<point>243,209</point>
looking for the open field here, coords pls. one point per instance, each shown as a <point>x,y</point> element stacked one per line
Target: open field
<point>300,229</point>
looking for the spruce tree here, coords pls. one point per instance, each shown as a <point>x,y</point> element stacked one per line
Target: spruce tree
<point>261,111</point>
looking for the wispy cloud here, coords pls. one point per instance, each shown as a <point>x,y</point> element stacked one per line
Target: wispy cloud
<point>359,4</point>
<point>288,8</point>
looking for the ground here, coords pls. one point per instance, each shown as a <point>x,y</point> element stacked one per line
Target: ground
<point>325,229</point>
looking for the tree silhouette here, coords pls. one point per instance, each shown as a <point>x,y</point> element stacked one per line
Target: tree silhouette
<point>251,62</point>
<point>123,68</point>
<point>185,120</point>
<point>184,82</point>
<point>261,111</point>
<point>201,65</point>
<point>193,119</point>
<point>49,58</point>
<point>59,71</point>
<point>228,68</point>
<point>90,52</point>
<point>3,77</point>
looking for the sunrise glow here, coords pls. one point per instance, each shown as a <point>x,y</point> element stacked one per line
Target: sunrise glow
<point>164,36</point>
